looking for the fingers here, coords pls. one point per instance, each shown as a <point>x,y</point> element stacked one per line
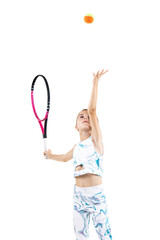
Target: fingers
<point>100,74</point>
<point>103,72</point>
<point>45,154</point>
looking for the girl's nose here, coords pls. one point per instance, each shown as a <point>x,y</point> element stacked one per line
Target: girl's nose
<point>86,117</point>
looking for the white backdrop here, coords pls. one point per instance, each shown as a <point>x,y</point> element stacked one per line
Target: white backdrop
<point>51,38</point>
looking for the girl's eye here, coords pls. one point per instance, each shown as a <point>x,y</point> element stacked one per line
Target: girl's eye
<point>83,117</point>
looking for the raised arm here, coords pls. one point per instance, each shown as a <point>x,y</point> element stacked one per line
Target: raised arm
<point>93,99</point>
<point>96,132</point>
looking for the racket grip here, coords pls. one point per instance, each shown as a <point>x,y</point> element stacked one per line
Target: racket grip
<point>45,145</point>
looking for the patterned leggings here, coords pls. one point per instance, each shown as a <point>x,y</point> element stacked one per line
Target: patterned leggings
<point>87,201</point>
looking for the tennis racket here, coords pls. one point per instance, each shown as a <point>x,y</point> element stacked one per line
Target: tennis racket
<point>45,119</point>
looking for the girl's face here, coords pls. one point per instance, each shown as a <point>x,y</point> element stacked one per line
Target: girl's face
<point>83,121</point>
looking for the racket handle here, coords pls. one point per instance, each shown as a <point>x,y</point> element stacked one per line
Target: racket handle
<point>45,145</point>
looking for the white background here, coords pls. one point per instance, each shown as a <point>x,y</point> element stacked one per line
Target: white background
<point>51,38</point>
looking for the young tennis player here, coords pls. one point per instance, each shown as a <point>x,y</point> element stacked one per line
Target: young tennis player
<point>88,197</point>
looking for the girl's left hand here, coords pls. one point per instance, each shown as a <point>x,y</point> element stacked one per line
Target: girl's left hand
<point>98,75</point>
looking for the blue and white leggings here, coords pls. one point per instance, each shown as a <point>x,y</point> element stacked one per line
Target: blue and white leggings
<point>87,201</point>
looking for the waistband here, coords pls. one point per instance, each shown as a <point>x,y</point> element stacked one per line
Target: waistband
<point>92,189</point>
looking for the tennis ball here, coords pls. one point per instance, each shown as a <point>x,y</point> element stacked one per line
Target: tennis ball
<point>88,18</point>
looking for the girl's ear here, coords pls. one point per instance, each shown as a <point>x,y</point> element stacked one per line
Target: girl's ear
<point>76,128</point>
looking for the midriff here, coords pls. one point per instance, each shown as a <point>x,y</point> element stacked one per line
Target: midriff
<point>87,180</point>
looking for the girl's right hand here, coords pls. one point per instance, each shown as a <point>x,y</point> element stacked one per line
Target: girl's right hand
<point>48,154</point>
<point>98,75</point>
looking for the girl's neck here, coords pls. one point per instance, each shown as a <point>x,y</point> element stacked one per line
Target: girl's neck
<point>84,135</point>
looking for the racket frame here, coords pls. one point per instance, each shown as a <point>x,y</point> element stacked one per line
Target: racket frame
<point>45,119</point>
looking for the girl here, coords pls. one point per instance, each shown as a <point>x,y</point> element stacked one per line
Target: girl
<point>88,197</point>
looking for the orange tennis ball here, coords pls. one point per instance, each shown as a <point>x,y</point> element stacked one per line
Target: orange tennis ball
<point>88,18</point>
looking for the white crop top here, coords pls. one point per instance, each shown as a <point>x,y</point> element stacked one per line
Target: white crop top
<point>85,154</point>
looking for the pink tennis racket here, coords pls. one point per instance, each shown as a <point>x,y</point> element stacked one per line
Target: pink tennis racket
<point>45,119</point>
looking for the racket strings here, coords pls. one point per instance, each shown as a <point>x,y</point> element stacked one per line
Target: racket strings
<point>39,95</point>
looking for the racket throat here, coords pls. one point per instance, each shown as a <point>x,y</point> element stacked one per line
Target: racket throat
<point>45,129</point>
